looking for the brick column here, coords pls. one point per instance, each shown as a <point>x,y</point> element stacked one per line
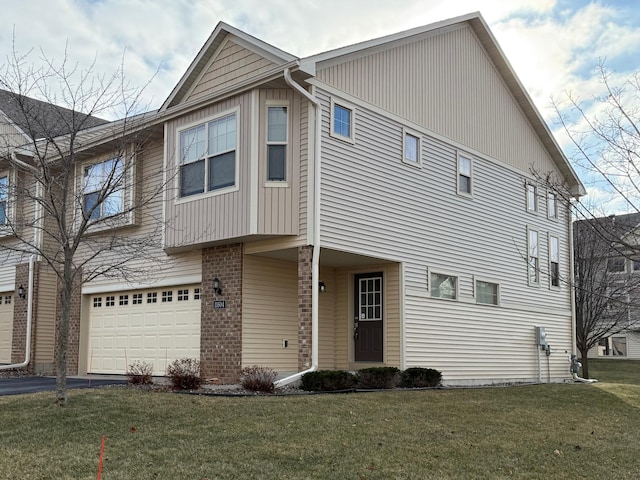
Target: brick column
<point>20,305</point>
<point>73,344</point>
<point>305,254</point>
<point>221,328</point>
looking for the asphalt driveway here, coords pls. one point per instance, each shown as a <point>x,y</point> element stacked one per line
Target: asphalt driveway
<point>20,385</point>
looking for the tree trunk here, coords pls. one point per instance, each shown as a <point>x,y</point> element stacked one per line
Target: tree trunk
<point>62,344</point>
<point>584,359</point>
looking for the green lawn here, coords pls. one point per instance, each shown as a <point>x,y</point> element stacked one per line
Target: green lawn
<point>546,432</point>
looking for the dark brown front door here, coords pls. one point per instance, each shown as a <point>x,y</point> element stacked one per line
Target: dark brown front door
<point>367,322</point>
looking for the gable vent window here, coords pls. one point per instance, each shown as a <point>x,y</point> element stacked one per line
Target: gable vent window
<point>208,156</point>
<point>277,128</point>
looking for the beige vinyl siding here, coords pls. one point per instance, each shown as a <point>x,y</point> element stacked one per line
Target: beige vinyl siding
<point>270,313</point>
<point>374,204</point>
<point>344,317</point>
<point>445,82</point>
<point>45,330</point>
<point>10,136</point>
<point>278,205</point>
<point>306,150</point>
<point>209,217</point>
<point>231,65</point>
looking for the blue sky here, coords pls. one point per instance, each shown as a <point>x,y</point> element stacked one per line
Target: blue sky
<point>553,45</point>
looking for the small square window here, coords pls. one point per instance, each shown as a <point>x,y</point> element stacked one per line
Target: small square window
<point>411,148</point>
<point>124,300</point>
<point>444,286</point>
<point>183,295</point>
<point>110,301</point>
<point>486,292</point>
<point>137,299</point>
<point>342,121</point>
<point>196,294</point>
<point>97,302</point>
<point>167,296</point>
<point>465,168</point>
<point>152,297</point>
<point>7,299</point>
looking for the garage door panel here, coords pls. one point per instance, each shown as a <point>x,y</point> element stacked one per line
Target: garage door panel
<point>154,332</point>
<point>6,326</point>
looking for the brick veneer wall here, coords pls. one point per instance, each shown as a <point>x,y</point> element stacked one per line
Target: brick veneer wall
<point>305,254</point>
<point>221,328</point>
<point>20,305</point>
<point>73,344</point>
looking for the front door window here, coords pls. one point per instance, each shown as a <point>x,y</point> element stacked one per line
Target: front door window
<point>368,319</point>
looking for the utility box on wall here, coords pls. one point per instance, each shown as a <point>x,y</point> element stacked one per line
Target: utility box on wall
<point>541,336</point>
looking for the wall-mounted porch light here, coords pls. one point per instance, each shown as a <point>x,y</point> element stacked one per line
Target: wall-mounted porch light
<point>321,286</point>
<point>21,292</point>
<point>216,286</point>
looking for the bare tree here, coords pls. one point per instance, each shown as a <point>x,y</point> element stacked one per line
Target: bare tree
<point>79,186</point>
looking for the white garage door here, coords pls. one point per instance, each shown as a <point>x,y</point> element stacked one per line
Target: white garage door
<point>155,326</point>
<point>6,326</point>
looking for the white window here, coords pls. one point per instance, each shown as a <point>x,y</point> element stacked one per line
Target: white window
<point>533,258</point>
<point>277,137</point>
<point>411,148</point>
<point>636,265</point>
<point>552,205</point>
<point>4,199</point>
<point>487,292</point>
<point>616,265</point>
<point>532,198</point>
<point>342,121</point>
<point>444,286</point>
<point>208,156</point>
<point>465,168</point>
<point>103,189</point>
<point>554,261</point>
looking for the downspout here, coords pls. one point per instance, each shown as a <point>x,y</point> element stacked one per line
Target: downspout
<point>572,273</point>
<point>27,354</point>
<point>315,261</point>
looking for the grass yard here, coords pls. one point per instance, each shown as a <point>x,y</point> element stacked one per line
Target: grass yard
<point>546,432</point>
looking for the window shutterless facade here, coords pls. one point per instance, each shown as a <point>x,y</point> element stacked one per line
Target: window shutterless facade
<point>533,257</point>
<point>342,121</point>
<point>4,199</point>
<point>208,156</point>
<point>465,171</point>
<point>554,261</point>
<point>277,139</point>
<point>103,189</point>
<point>444,286</point>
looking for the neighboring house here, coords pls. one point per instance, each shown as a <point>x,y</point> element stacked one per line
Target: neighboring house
<point>371,205</point>
<point>611,245</point>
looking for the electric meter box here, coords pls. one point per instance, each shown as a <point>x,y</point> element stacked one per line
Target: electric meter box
<point>541,336</point>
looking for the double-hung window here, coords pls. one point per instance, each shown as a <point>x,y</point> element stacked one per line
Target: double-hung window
<point>552,205</point>
<point>208,156</point>
<point>277,136</point>
<point>532,198</point>
<point>103,189</point>
<point>464,174</point>
<point>554,261</point>
<point>533,258</point>
<point>4,199</point>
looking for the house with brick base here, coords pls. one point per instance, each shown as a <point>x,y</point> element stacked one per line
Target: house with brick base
<point>373,205</point>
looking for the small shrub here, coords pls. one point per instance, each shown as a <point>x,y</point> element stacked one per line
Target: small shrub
<point>140,373</point>
<point>328,381</point>
<point>184,374</point>
<point>418,377</point>
<point>258,379</point>
<point>378,377</point>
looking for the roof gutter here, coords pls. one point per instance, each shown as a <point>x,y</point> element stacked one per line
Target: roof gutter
<point>27,350</point>
<point>315,261</point>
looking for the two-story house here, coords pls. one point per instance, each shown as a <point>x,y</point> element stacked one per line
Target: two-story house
<point>370,205</point>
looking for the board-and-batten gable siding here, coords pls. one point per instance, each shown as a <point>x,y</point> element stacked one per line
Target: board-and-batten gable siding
<point>46,320</point>
<point>232,64</point>
<point>278,206</point>
<point>270,313</point>
<point>209,217</point>
<point>155,264</point>
<point>448,84</point>
<point>374,204</point>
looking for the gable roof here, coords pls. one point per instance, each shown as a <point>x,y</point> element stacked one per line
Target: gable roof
<point>37,119</point>
<point>209,49</point>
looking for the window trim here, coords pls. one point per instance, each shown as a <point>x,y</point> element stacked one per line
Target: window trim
<point>617,272</point>
<point>6,228</point>
<point>550,253</point>
<point>441,274</point>
<point>411,133</point>
<point>287,143</point>
<point>486,280</point>
<point>352,127</point>
<point>536,202</point>
<point>551,194</point>
<point>178,156</point>
<point>531,283</point>
<point>462,155</point>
